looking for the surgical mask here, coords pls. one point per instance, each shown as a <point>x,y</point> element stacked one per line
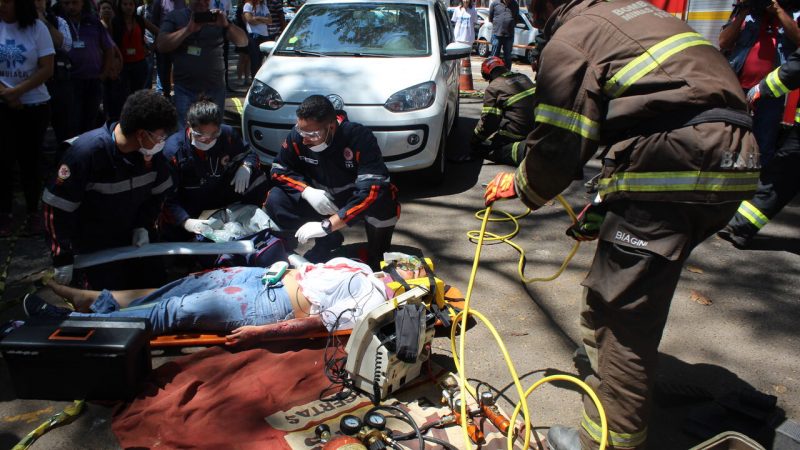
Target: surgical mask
<point>203,146</point>
<point>148,153</point>
<point>323,145</point>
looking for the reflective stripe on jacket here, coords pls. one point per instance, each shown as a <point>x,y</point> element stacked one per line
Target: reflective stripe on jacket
<point>623,76</point>
<point>507,107</point>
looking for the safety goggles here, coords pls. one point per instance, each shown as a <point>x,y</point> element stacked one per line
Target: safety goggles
<point>315,135</point>
<point>204,137</point>
<point>154,138</point>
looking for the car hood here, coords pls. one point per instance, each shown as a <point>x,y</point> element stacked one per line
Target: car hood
<point>358,80</point>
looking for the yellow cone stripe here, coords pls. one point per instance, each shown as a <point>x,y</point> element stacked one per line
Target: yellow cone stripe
<point>568,120</point>
<point>693,180</point>
<point>649,60</point>
<point>238,103</point>
<point>614,439</point>
<point>753,214</point>
<point>775,84</point>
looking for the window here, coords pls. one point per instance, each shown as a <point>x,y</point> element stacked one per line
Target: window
<point>362,29</point>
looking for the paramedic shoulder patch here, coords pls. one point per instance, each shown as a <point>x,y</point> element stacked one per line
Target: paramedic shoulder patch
<point>63,172</point>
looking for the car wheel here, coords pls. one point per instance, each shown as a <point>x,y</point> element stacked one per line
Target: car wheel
<point>483,49</point>
<point>434,175</point>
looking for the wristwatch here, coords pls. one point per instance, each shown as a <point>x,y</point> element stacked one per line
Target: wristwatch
<point>326,226</point>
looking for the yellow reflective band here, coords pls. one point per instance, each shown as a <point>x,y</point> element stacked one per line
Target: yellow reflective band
<point>515,153</point>
<point>568,120</point>
<point>649,60</point>
<point>511,135</point>
<point>797,115</point>
<point>523,190</point>
<point>753,214</point>
<point>614,439</point>
<point>775,84</point>
<point>693,180</point>
<point>491,110</point>
<point>519,96</point>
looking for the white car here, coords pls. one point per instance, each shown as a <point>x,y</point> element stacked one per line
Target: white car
<point>391,63</point>
<point>524,35</point>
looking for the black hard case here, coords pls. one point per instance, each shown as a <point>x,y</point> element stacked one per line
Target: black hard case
<point>78,358</point>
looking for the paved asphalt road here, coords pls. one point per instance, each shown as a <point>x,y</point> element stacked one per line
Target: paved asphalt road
<point>746,337</point>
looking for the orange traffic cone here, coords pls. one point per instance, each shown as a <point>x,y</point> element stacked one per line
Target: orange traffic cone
<point>465,76</point>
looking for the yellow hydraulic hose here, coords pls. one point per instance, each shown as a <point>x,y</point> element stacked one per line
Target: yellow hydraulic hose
<point>466,312</point>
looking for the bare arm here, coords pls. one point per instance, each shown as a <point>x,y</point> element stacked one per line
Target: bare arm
<point>252,334</point>
<point>787,22</point>
<point>168,42</point>
<point>43,72</point>
<point>730,33</point>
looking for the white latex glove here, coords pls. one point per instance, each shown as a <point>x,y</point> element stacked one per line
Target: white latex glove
<point>197,226</point>
<point>140,237</point>
<point>319,200</point>
<point>63,274</point>
<point>241,179</point>
<point>311,230</point>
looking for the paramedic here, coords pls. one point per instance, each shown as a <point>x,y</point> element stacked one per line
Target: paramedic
<point>678,157</point>
<point>108,192</point>
<point>211,169</point>
<point>328,174</point>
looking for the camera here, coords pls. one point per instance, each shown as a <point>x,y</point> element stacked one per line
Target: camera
<point>205,17</point>
<point>759,6</point>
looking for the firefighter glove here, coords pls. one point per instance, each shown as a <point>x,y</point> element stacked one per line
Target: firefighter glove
<point>319,200</point>
<point>587,228</point>
<point>753,94</point>
<point>501,187</point>
<point>63,274</point>
<point>241,179</point>
<point>140,237</point>
<point>311,230</point>
<point>197,226</point>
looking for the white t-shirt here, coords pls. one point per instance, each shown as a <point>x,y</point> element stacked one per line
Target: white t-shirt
<point>20,51</point>
<point>341,288</point>
<point>465,20</point>
<point>222,5</point>
<point>260,11</point>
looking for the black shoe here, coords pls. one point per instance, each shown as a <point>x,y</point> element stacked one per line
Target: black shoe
<point>563,438</point>
<point>34,306</point>
<point>321,251</point>
<point>740,242</point>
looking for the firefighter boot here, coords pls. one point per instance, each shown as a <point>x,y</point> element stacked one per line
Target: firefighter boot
<point>378,241</point>
<point>563,438</point>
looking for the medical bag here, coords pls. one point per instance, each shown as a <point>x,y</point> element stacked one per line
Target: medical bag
<point>78,358</point>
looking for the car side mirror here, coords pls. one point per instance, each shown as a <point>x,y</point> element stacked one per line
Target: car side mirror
<point>266,47</point>
<point>456,50</point>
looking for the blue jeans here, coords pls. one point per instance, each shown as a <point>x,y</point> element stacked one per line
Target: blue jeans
<point>219,300</point>
<point>506,44</point>
<point>185,97</point>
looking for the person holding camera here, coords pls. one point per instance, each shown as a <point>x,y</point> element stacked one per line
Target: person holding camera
<point>194,36</point>
<point>759,37</point>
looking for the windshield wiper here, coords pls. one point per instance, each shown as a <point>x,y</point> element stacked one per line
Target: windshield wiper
<point>359,54</point>
<point>303,53</point>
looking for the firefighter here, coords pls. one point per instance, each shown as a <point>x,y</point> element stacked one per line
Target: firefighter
<point>327,174</point>
<point>779,182</point>
<point>108,192</point>
<point>506,117</point>
<point>678,157</point>
<point>211,168</point>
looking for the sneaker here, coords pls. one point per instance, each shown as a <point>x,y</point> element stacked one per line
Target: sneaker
<point>34,225</point>
<point>563,438</point>
<point>323,247</point>
<point>740,242</point>
<point>34,306</point>
<point>6,225</point>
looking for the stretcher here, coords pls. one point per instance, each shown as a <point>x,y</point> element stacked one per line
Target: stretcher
<point>452,296</point>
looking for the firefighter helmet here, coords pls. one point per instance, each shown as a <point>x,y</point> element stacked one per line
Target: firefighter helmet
<point>491,63</point>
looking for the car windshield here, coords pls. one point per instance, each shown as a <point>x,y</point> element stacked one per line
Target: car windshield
<point>361,29</point>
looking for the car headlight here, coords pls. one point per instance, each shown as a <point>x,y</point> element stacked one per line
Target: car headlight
<point>263,96</point>
<point>416,97</point>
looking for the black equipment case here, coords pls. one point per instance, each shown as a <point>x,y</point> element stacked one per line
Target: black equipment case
<point>78,358</point>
